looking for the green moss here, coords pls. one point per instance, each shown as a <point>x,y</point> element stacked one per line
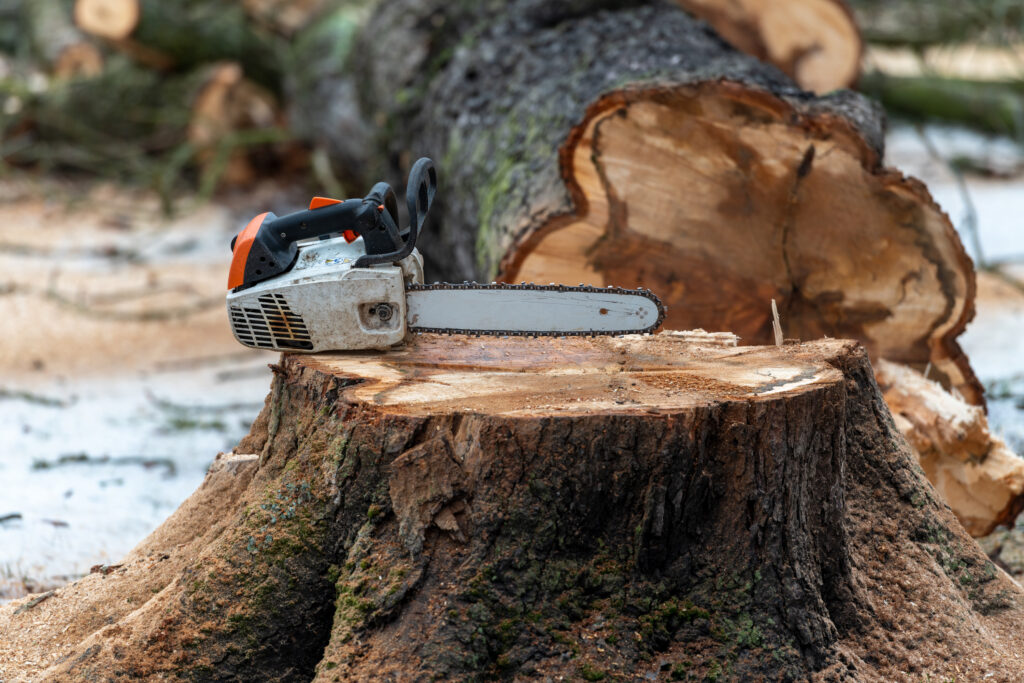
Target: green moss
<point>658,627</point>
<point>488,251</point>
<point>591,673</point>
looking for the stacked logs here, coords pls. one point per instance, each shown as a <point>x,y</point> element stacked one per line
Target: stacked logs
<point>149,91</point>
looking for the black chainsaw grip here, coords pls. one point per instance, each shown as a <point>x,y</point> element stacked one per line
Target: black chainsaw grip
<point>383,194</point>
<point>419,194</point>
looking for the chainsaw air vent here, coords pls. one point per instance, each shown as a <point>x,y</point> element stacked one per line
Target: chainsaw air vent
<point>271,326</point>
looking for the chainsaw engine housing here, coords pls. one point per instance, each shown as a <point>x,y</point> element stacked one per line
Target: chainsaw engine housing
<point>367,306</point>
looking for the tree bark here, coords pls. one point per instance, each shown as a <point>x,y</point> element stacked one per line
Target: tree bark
<point>467,508</point>
<point>603,143</point>
<point>814,42</point>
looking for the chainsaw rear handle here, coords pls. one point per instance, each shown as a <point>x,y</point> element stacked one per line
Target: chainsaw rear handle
<point>267,246</point>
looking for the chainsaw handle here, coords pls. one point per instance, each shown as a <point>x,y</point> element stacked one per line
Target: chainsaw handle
<point>267,246</point>
<point>419,195</point>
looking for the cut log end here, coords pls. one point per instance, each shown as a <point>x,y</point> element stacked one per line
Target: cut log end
<point>815,42</point>
<point>779,204</point>
<point>110,19</point>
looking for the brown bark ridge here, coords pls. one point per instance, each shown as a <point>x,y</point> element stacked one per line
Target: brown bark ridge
<point>814,42</point>
<point>607,143</point>
<point>665,507</point>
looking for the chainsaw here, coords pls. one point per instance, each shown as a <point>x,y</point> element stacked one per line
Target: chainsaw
<point>342,276</point>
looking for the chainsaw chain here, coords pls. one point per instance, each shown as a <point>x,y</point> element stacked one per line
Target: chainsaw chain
<point>529,286</point>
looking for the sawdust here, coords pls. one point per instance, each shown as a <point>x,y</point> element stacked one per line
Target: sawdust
<point>40,636</point>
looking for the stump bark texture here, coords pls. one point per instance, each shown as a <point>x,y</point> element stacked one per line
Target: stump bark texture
<point>670,507</point>
<point>625,143</point>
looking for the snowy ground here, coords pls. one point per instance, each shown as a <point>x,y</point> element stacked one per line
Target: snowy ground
<point>119,378</point>
<point>108,420</point>
<point>92,467</point>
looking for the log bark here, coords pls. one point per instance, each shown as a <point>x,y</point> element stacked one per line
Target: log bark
<point>814,42</point>
<point>467,508</point>
<point>605,143</point>
<point>184,34</point>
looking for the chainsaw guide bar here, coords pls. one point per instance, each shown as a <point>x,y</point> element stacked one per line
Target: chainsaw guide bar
<point>530,287</point>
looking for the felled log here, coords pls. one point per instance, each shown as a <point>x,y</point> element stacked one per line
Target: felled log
<point>989,106</point>
<point>814,42</point>
<point>470,508</point>
<point>974,470</point>
<point>227,104</point>
<point>635,148</point>
<point>184,34</point>
<point>921,23</point>
<point>131,122</point>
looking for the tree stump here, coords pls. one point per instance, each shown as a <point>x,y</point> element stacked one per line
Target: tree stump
<point>671,507</point>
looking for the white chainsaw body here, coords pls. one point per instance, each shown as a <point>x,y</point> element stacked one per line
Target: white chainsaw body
<point>323,303</point>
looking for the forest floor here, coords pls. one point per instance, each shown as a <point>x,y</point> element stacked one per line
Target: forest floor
<point>121,380</point>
